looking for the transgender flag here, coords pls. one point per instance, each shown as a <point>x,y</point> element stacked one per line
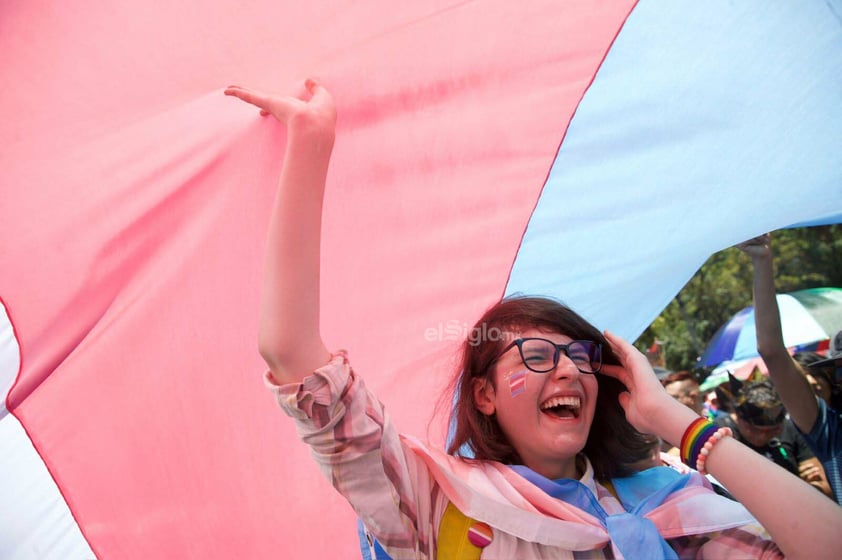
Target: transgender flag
<point>594,151</point>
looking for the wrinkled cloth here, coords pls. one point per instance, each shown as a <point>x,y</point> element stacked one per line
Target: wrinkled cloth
<point>400,487</point>
<point>632,534</point>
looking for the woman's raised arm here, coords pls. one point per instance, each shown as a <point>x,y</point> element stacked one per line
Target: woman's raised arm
<point>802,522</point>
<point>289,337</point>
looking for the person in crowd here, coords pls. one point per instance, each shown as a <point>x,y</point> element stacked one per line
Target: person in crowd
<point>820,425</point>
<point>713,409</point>
<point>556,414</point>
<point>758,419</point>
<point>683,387</point>
<point>821,372</point>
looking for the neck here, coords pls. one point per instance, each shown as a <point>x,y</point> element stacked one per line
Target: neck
<point>569,468</point>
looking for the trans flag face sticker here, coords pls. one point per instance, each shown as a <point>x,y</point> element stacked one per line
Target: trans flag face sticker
<point>517,382</point>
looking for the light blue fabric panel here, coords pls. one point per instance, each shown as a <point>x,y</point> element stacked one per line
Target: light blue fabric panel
<point>707,124</point>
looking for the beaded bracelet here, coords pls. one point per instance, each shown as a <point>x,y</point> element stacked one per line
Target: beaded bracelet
<point>695,437</point>
<point>705,451</point>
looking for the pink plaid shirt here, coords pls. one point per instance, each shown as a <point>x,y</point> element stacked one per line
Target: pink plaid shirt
<point>400,487</point>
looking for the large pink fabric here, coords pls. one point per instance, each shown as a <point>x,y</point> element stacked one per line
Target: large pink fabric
<point>135,205</point>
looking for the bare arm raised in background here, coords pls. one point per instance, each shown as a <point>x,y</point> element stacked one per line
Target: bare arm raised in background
<point>794,389</point>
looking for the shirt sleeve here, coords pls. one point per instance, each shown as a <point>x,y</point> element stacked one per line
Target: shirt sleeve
<point>360,453</point>
<point>825,437</point>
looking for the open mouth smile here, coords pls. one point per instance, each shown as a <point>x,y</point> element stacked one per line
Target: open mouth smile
<point>562,407</point>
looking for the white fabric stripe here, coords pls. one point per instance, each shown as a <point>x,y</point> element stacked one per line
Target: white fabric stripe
<point>9,358</point>
<point>35,522</point>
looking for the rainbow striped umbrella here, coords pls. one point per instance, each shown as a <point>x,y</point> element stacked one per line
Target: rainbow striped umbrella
<point>807,317</point>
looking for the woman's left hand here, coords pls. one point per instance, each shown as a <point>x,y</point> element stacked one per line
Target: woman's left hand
<point>646,403</point>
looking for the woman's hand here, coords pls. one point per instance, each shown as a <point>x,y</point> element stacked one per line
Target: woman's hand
<point>289,335</point>
<point>647,405</point>
<point>310,110</point>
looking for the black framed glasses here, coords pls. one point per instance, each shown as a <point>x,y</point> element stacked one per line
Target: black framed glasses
<point>541,355</point>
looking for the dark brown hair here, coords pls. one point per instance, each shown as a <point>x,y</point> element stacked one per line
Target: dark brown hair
<point>806,359</point>
<point>613,445</point>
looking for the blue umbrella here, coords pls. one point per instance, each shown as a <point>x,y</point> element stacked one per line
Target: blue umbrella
<point>807,317</point>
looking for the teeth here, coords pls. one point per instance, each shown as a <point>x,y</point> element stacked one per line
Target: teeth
<point>571,401</point>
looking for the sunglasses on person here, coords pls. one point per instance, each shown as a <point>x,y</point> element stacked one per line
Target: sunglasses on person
<point>541,355</point>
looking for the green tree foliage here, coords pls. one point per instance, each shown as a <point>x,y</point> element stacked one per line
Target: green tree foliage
<point>804,258</point>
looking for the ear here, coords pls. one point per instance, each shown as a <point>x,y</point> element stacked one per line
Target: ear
<point>484,395</point>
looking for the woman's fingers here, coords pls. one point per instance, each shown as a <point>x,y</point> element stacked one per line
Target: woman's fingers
<point>630,357</point>
<point>310,109</point>
<point>620,373</point>
<point>280,106</point>
<point>617,372</point>
<point>246,95</point>
<point>319,95</point>
<point>254,98</point>
<point>636,372</point>
<point>619,345</point>
<point>624,399</point>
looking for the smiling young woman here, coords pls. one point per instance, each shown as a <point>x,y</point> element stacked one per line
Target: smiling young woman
<point>559,452</point>
<point>611,444</point>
